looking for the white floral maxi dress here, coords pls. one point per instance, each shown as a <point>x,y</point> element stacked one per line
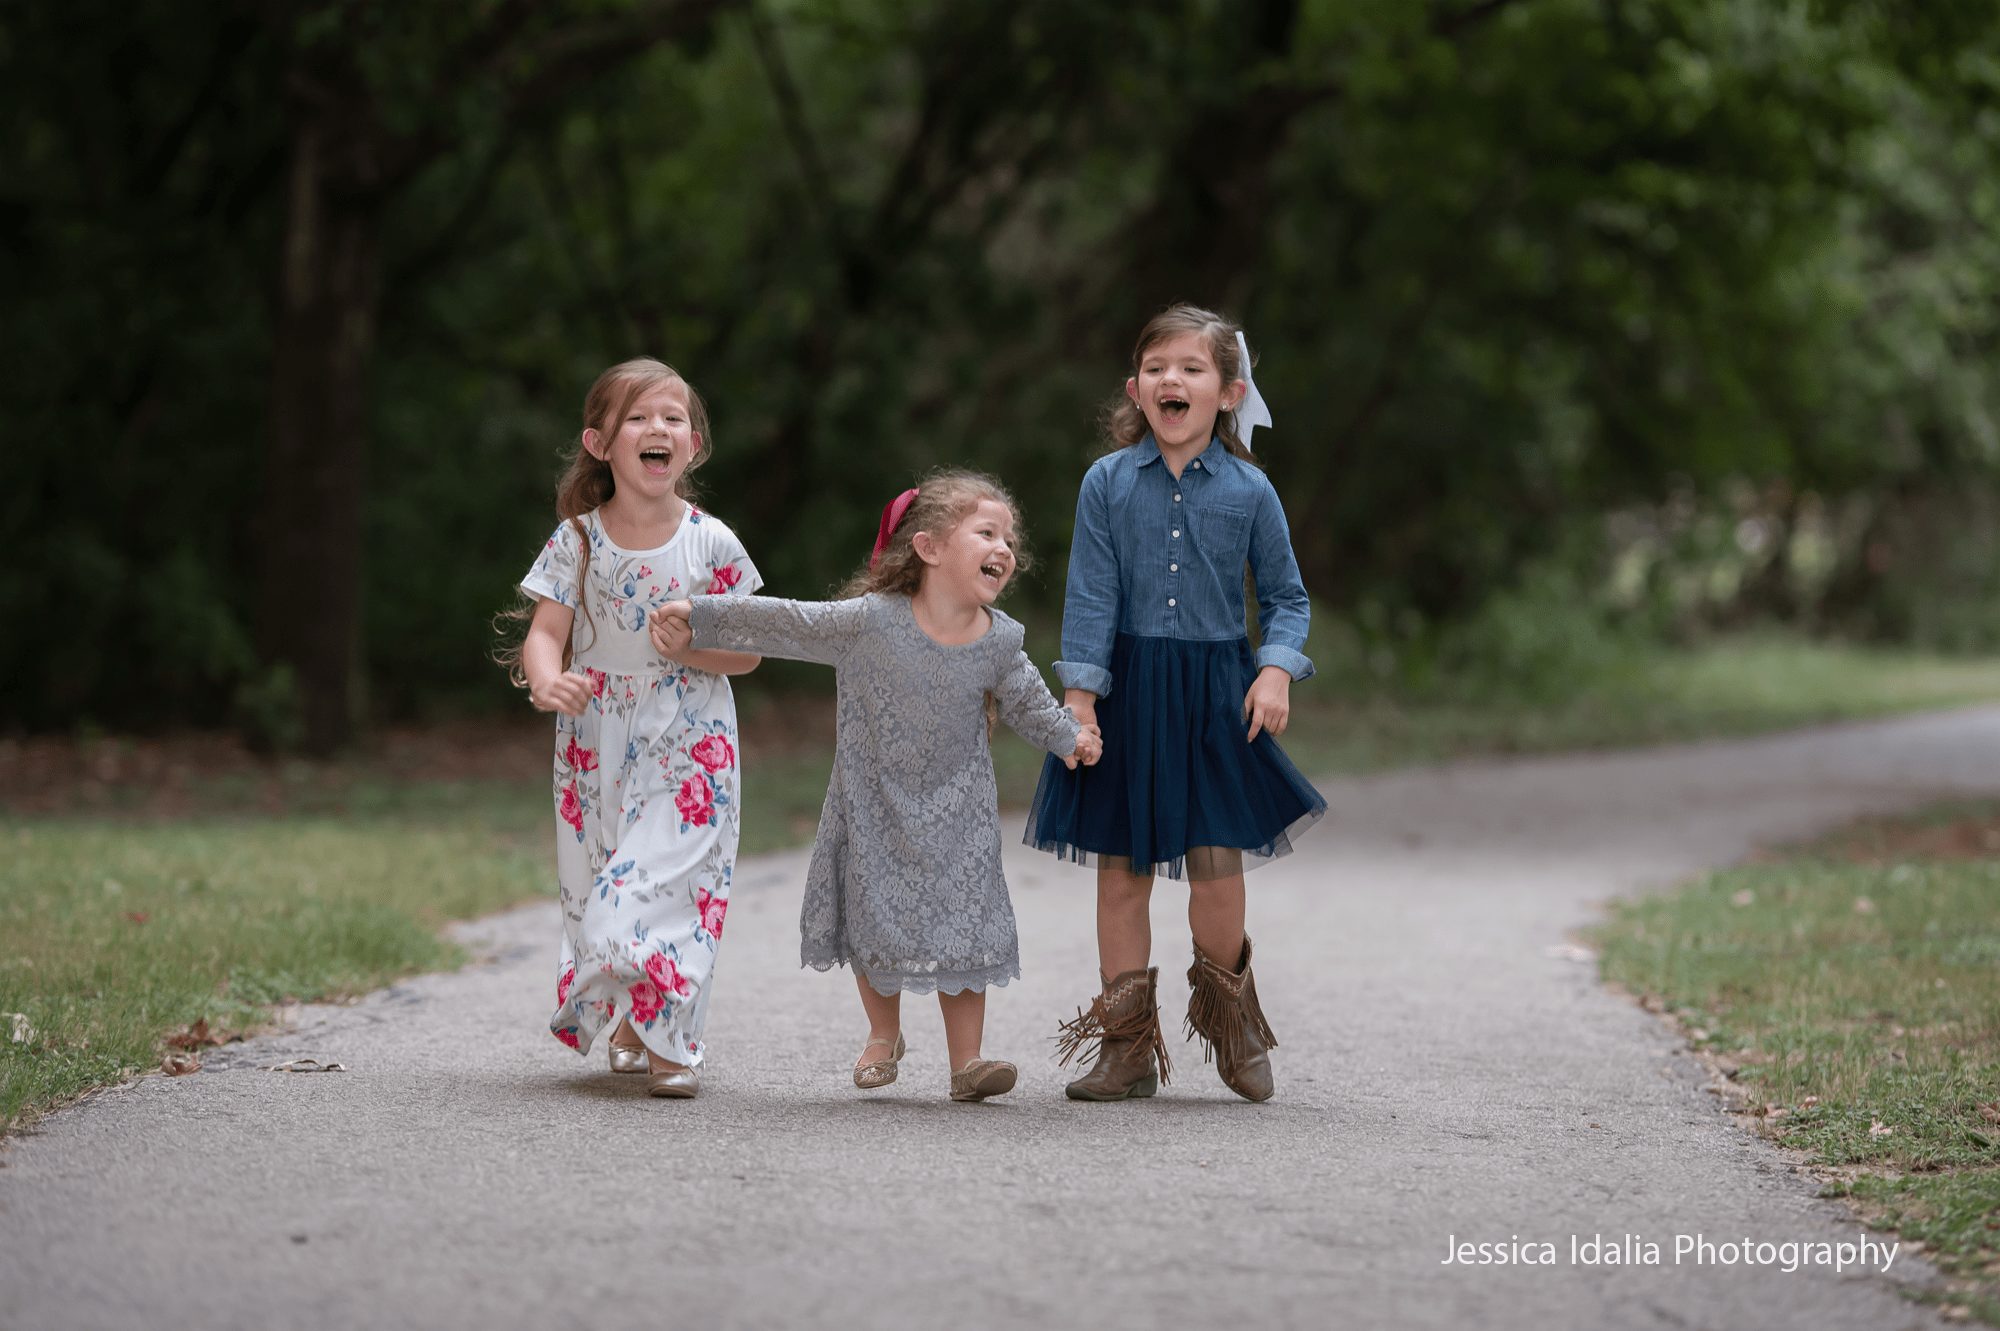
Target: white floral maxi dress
<point>647,814</point>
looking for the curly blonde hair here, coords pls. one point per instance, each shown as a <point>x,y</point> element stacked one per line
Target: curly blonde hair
<point>944,499</point>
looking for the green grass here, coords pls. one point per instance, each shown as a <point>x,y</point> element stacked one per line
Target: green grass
<point>115,935</point>
<point>1852,991</point>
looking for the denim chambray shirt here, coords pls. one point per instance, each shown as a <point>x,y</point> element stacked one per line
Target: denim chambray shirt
<point>1156,557</point>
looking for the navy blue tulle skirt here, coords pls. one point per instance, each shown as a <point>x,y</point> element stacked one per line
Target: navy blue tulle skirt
<point>1179,791</point>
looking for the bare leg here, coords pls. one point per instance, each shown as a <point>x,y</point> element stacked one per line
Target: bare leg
<point>964,1024</point>
<point>625,1037</point>
<point>1215,918</point>
<point>885,1020</point>
<point>1124,921</point>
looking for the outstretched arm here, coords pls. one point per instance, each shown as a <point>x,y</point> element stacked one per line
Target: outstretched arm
<point>821,631</point>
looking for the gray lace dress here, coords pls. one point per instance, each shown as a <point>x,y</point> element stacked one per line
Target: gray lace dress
<point>905,884</point>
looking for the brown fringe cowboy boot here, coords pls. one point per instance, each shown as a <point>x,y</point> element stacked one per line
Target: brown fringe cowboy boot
<point>1131,1055</point>
<point>1223,1011</point>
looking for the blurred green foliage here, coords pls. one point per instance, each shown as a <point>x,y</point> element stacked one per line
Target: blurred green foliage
<point>1580,318</point>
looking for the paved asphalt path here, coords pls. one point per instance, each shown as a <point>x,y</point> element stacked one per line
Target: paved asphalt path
<point>1449,1067</point>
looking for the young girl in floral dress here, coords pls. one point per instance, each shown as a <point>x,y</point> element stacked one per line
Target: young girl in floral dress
<point>905,885</point>
<point>645,766</point>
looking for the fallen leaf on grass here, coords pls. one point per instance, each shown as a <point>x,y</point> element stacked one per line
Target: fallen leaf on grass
<point>1742,897</point>
<point>1878,1128</point>
<point>305,1065</point>
<point>180,1065</point>
<point>1809,1102</point>
<point>1863,906</point>
<point>137,916</point>
<point>1990,1111</point>
<point>23,1032</point>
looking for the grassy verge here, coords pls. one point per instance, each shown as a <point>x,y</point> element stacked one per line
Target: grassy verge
<point>117,935</point>
<point>1850,990</point>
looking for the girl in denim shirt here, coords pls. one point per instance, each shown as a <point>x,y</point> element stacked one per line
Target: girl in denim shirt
<point>1156,652</point>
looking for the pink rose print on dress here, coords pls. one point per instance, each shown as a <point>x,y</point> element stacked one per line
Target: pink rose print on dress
<point>597,678</point>
<point>568,1036</point>
<point>664,973</point>
<point>572,808</point>
<point>696,801</point>
<point>582,759</point>
<point>647,1000</point>
<point>722,578</point>
<point>712,908</point>
<point>713,752</point>
<point>562,985</point>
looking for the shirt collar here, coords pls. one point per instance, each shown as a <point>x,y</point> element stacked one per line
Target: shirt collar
<point>1212,458</point>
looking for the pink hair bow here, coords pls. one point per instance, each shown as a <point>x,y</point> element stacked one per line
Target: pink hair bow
<point>892,514</point>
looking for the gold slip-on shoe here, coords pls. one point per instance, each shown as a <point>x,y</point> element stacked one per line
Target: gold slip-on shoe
<point>881,1071</point>
<point>674,1084</point>
<point>983,1077</point>
<point>627,1057</point>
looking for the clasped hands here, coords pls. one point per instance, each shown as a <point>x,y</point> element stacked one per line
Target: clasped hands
<point>669,629</point>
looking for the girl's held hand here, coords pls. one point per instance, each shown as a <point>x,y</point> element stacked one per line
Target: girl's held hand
<point>670,631</point>
<point>568,693</point>
<point>1268,705</point>
<point>1089,747</point>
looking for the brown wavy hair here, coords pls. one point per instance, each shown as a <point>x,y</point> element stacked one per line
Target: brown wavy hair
<point>587,483</point>
<point>1125,425</point>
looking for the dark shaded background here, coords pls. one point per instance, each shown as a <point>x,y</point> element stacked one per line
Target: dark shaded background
<point>1576,316</point>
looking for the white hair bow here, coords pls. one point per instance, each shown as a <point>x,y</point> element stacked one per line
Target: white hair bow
<point>1251,411</point>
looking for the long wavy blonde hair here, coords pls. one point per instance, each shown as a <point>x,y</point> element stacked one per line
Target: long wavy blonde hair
<point>587,484</point>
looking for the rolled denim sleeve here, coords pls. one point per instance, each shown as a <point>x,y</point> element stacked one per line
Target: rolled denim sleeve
<point>1090,599</point>
<point>1284,611</point>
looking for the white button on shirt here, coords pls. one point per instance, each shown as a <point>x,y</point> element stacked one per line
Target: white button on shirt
<point>1172,601</point>
<point>1177,499</point>
<point>1173,568</point>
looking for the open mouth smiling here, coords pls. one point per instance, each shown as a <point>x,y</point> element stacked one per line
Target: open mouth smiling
<point>994,570</point>
<point>656,460</point>
<point>1173,410</point>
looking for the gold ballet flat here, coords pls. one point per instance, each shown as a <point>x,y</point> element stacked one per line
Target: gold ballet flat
<point>983,1077</point>
<point>674,1084</point>
<point>881,1071</point>
<point>627,1057</point>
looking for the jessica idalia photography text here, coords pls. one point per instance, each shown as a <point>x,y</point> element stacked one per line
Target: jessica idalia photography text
<point>1679,1250</point>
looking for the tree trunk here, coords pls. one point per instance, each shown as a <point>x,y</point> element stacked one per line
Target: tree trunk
<point>328,305</point>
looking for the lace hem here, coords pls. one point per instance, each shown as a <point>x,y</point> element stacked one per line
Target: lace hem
<point>887,983</point>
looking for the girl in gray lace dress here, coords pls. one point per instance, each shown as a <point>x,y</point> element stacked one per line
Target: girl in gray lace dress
<point>905,885</point>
